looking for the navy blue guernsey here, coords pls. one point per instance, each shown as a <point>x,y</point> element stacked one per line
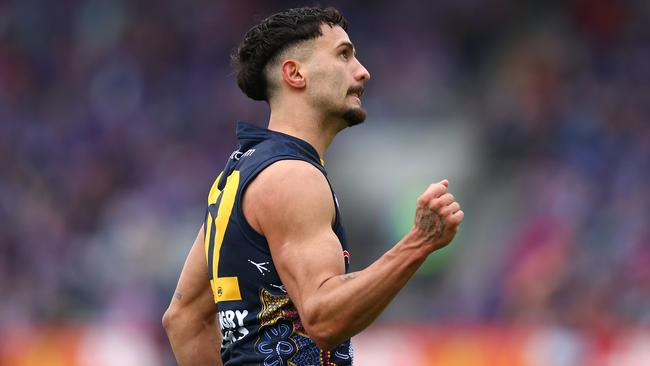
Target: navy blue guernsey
<point>259,322</point>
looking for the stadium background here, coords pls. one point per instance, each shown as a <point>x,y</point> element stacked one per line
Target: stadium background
<point>116,115</point>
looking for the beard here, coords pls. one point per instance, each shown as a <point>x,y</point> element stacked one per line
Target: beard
<point>354,116</point>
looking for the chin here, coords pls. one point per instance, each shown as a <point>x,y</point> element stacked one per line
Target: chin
<point>354,116</point>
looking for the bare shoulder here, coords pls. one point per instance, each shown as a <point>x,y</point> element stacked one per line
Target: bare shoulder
<point>294,178</point>
<point>287,190</point>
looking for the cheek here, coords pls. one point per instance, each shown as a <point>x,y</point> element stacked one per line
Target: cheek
<point>335,89</point>
<point>327,83</point>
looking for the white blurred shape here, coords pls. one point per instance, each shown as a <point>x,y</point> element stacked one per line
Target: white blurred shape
<point>117,345</point>
<point>554,346</point>
<point>385,347</point>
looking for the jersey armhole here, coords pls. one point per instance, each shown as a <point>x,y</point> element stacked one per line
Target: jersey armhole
<point>247,229</point>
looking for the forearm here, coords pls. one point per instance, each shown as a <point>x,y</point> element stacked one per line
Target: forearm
<point>193,341</point>
<point>345,305</point>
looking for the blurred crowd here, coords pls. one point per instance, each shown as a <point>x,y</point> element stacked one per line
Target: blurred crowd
<point>566,113</point>
<point>115,116</point>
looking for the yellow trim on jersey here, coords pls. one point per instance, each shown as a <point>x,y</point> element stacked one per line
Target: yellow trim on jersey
<point>208,232</point>
<point>212,199</point>
<point>214,191</point>
<point>223,288</point>
<point>227,289</point>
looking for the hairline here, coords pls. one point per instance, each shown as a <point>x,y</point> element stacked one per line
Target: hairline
<point>276,59</point>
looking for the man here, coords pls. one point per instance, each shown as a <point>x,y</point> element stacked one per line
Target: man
<point>272,254</point>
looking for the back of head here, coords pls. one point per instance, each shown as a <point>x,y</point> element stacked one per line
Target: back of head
<point>272,36</point>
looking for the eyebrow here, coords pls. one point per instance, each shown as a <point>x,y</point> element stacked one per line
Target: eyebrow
<point>348,44</point>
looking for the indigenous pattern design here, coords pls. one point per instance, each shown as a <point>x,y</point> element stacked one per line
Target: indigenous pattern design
<point>283,339</point>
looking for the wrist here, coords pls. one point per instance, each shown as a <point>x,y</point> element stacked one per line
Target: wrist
<point>415,243</point>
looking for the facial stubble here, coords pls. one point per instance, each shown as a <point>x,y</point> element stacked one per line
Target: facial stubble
<point>354,116</point>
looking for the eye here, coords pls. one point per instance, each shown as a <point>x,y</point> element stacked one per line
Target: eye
<point>345,55</point>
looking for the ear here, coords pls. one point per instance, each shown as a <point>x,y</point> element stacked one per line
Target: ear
<point>291,74</point>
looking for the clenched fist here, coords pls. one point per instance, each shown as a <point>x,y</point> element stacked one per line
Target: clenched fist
<point>437,216</point>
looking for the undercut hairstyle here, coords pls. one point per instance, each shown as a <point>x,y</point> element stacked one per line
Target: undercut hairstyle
<point>271,37</point>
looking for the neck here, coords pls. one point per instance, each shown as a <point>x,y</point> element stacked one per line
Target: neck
<point>316,130</point>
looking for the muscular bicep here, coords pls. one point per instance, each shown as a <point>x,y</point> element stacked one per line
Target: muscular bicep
<point>292,204</point>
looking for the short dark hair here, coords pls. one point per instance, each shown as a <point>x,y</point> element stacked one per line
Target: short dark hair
<point>272,36</point>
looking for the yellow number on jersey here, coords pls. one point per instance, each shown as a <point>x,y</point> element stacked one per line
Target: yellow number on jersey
<point>223,288</point>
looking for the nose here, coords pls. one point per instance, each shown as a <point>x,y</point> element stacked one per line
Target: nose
<point>362,73</point>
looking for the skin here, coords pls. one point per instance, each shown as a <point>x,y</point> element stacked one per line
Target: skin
<point>290,203</point>
<point>315,86</point>
<point>190,320</point>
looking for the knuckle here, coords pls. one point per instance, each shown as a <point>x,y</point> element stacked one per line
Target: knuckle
<point>422,200</point>
<point>435,204</point>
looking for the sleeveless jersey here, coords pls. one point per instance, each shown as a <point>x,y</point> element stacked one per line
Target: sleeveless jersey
<point>259,323</point>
